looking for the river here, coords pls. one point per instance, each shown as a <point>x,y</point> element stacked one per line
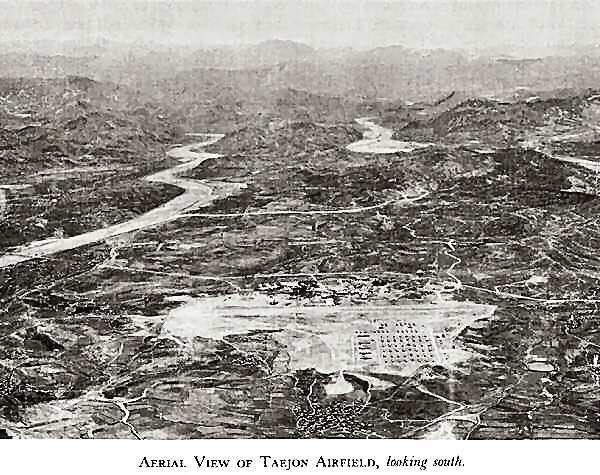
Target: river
<point>197,194</point>
<point>376,139</point>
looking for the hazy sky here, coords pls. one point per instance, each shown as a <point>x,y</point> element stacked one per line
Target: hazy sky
<point>466,24</point>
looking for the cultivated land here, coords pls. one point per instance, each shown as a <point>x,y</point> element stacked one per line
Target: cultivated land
<point>331,266</point>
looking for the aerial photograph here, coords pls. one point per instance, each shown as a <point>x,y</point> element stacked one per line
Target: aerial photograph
<point>269,219</point>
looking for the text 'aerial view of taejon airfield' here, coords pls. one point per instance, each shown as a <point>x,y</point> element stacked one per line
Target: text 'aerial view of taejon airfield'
<point>268,219</point>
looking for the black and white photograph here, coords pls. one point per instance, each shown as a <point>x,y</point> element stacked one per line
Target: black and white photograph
<point>268,219</point>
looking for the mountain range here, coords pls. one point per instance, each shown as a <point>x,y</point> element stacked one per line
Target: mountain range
<point>392,72</point>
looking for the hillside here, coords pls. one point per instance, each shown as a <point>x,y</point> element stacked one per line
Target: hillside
<point>487,233</point>
<point>77,150</point>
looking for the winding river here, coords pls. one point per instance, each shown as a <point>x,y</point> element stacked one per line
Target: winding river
<point>197,194</point>
<point>376,140</point>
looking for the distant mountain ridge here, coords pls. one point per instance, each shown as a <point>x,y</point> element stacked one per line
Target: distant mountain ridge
<point>390,72</point>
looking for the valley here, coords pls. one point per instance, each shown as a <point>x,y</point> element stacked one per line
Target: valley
<point>327,265</point>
